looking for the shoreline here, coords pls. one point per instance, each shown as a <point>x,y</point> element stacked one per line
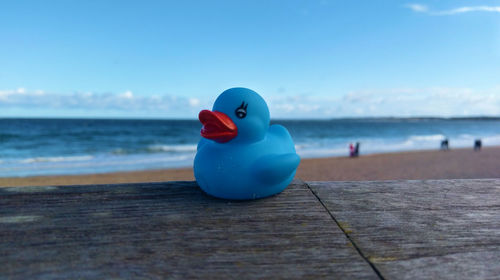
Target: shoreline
<point>459,163</point>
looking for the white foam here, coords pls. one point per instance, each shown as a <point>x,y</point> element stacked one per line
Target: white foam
<point>56,159</point>
<point>172,148</point>
<point>492,140</point>
<point>389,145</point>
<point>97,164</point>
<point>432,137</point>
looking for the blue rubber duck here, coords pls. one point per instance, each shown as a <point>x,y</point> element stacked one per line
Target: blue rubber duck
<point>239,155</point>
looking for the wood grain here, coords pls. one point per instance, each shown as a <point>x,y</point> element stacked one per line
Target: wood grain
<point>169,230</point>
<point>443,229</point>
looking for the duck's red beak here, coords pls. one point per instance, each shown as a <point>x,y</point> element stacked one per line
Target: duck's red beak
<point>217,126</point>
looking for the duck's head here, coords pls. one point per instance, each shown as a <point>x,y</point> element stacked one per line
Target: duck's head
<point>239,115</point>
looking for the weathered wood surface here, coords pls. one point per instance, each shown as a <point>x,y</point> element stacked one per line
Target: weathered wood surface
<point>170,230</point>
<point>444,229</point>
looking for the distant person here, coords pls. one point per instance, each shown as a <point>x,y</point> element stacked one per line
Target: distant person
<point>477,145</point>
<point>352,150</point>
<point>356,149</point>
<point>445,145</point>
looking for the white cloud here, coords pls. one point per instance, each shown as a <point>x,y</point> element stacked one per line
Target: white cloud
<point>462,10</point>
<point>127,95</point>
<point>419,8</point>
<point>398,102</point>
<point>6,94</point>
<point>91,101</point>
<point>194,102</point>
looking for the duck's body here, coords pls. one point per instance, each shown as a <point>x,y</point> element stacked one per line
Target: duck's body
<point>247,171</point>
<point>256,161</point>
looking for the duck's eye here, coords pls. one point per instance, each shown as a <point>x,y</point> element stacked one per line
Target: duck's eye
<point>241,111</point>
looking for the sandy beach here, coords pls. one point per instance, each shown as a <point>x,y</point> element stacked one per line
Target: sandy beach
<point>453,164</point>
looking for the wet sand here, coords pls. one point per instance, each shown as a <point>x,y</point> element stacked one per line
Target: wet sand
<point>453,164</point>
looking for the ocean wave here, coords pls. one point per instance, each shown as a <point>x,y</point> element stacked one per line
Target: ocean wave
<point>56,159</point>
<point>172,148</point>
<point>492,140</point>
<point>92,165</point>
<point>311,149</point>
<point>466,136</point>
<point>431,137</point>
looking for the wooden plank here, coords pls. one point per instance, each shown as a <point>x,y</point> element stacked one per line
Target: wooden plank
<point>159,230</point>
<point>443,229</point>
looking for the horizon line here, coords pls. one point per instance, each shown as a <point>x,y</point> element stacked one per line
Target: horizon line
<point>478,117</point>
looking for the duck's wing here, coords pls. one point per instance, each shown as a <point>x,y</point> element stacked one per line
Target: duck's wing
<point>275,168</point>
<point>280,132</point>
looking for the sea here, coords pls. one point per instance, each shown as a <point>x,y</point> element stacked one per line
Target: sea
<point>33,147</point>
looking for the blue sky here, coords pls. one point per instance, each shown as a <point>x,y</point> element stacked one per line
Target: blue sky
<point>308,59</point>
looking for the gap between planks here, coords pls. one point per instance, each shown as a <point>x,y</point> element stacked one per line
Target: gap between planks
<point>345,233</point>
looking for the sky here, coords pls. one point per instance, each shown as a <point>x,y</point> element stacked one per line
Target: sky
<point>308,59</point>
